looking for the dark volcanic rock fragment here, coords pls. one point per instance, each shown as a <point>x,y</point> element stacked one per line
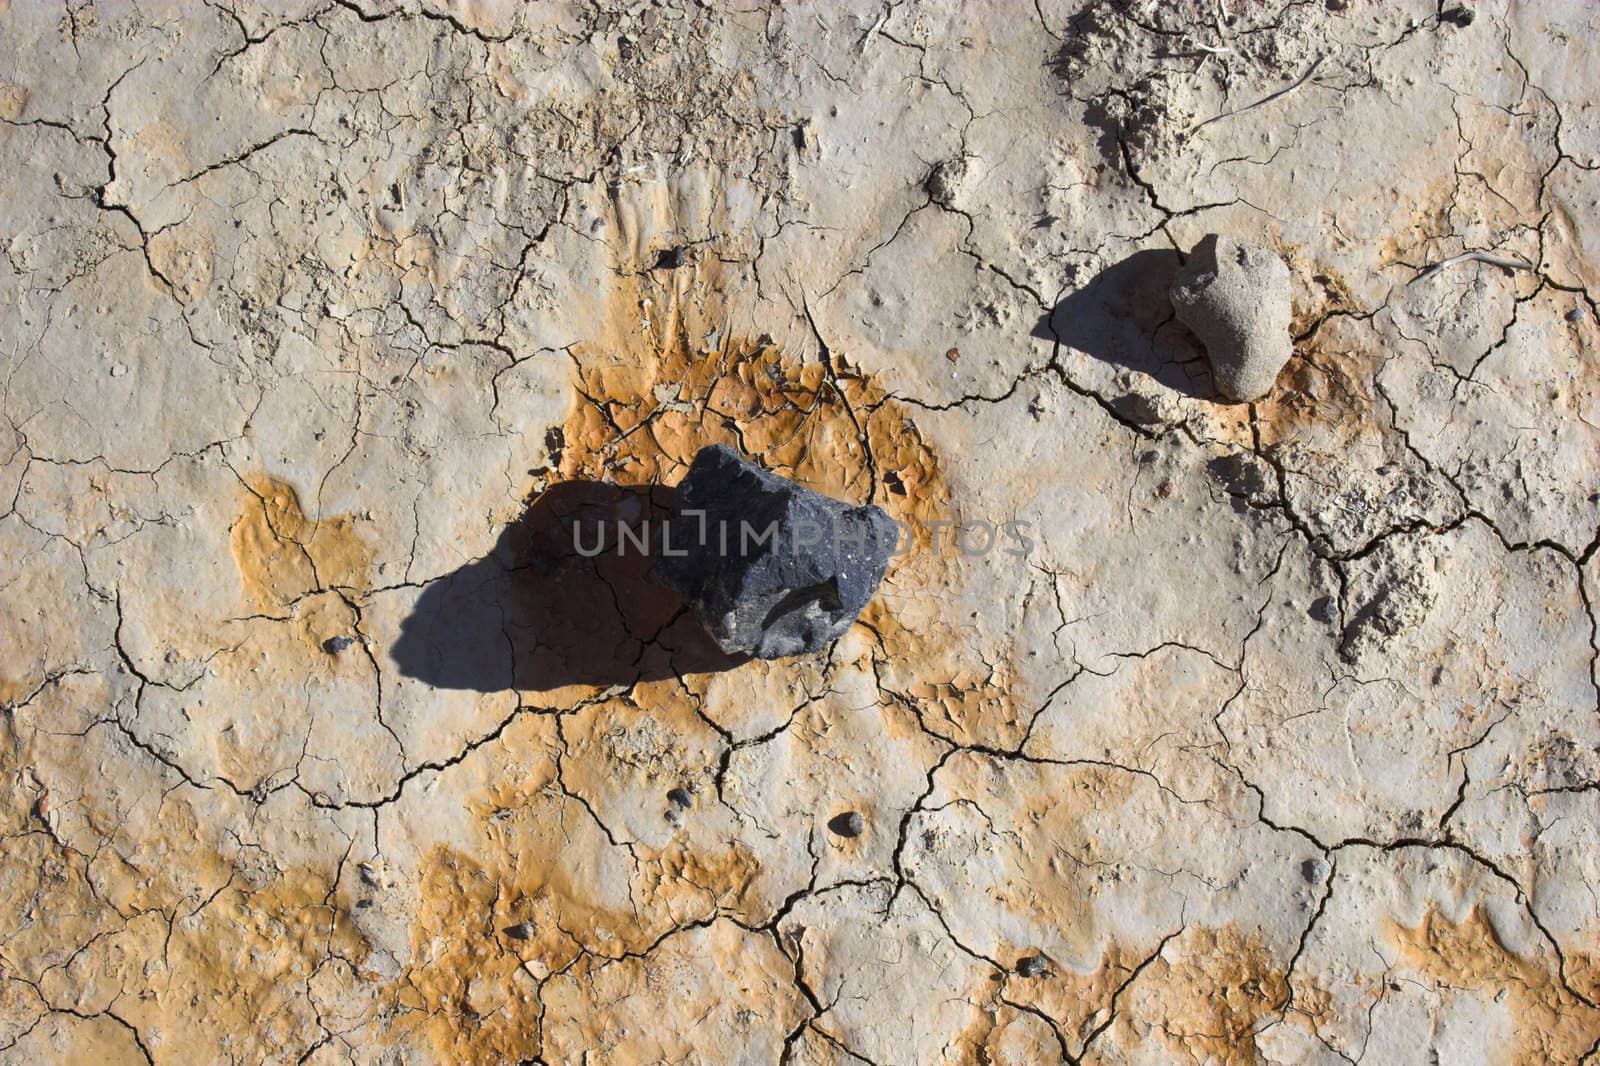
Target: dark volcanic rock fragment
<point>848,824</point>
<point>1032,965</point>
<point>770,567</point>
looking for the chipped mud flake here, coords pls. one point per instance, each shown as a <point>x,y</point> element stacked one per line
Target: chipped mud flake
<point>1388,594</point>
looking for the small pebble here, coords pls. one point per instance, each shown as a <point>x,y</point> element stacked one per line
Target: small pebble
<point>1322,609</point>
<point>335,645</point>
<point>848,824</point>
<point>680,798</point>
<point>1031,965</point>
<point>520,931</point>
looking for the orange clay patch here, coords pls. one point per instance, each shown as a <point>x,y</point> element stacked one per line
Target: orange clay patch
<point>12,692</point>
<point>1549,1023</point>
<point>664,381</point>
<point>644,406</point>
<point>471,989</point>
<point>1222,985</point>
<point>287,925</point>
<point>1001,1035</point>
<point>1075,1002</point>
<point>241,958</point>
<point>826,426</point>
<point>282,555</point>
<point>1328,387</point>
<point>1204,998</point>
<point>541,890</point>
<point>487,934</point>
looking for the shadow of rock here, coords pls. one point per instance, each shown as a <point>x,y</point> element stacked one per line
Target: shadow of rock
<point>537,614</point>
<point>1124,317</point>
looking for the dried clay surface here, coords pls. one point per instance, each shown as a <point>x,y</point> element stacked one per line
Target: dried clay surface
<point>1273,738</point>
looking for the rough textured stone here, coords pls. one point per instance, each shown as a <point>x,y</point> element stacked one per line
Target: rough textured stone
<point>1032,966</point>
<point>848,824</point>
<point>771,568</point>
<point>1234,295</point>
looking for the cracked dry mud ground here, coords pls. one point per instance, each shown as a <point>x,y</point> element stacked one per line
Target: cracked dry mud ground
<point>1282,745</point>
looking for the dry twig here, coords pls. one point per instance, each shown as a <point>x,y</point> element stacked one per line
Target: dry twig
<point>1285,91</point>
<point>1472,257</point>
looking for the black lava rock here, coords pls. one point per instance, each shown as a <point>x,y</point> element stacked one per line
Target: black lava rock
<point>848,824</point>
<point>679,797</point>
<point>771,568</point>
<point>1031,966</point>
<point>335,645</point>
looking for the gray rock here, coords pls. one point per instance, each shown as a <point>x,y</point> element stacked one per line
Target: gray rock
<point>770,567</point>
<point>849,824</point>
<point>1235,297</point>
<point>1032,965</point>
